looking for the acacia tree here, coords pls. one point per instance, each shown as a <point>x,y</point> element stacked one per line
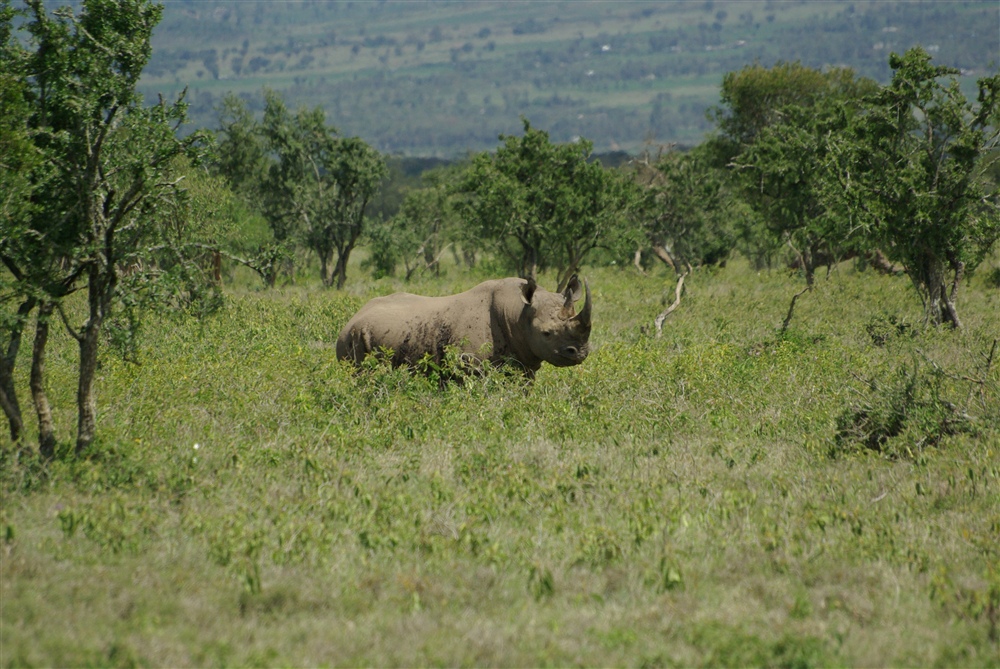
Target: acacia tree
<point>774,128</point>
<point>313,185</point>
<point>241,158</point>
<point>545,204</point>
<point>908,175</point>
<point>357,170</point>
<point>783,181</point>
<point>417,235</point>
<point>687,209</point>
<point>108,167</point>
<point>240,154</point>
<point>754,98</point>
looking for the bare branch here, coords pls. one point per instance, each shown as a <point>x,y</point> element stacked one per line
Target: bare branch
<point>791,308</point>
<point>69,328</point>
<point>637,261</point>
<point>669,310</point>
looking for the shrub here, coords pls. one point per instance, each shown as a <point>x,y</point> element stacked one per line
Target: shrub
<point>906,411</point>
<point>883,328</point>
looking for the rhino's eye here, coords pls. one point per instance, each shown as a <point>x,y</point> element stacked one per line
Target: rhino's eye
<point>546,333</point>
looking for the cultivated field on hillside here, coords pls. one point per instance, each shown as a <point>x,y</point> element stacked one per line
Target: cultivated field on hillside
<point>721,495</point>
<point>445,78</point>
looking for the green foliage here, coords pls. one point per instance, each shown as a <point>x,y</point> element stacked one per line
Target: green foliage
<point>312,186</point>
<point>319,183</point>
<point>20,159</point>
<point>544,204</point>
<point>103,182</point>
<point>688,207</point>
<point>911,405</point>
<point>778,122</point>
<point>22,173</point>
<point>908,175</point>
<point>241,159</point>
<point>240,155</point>
<point>417,236</point>
<point>755,97</point>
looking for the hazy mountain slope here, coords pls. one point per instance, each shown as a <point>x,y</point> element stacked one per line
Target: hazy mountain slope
<point>441,78</point>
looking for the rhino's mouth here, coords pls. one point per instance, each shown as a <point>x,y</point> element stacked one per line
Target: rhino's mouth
<point>570,355</point>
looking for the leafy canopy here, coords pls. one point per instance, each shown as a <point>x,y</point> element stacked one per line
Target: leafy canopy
<point>96,195</point>
<point>910,177</point>
<point>545,204</point>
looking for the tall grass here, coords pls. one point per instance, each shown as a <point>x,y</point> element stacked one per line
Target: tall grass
<point>710,497</point>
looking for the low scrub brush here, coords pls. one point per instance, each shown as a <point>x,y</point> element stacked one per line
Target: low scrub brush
<point>902,415</point>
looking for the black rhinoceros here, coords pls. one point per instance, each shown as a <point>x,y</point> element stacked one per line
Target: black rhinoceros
<point>509,321</point>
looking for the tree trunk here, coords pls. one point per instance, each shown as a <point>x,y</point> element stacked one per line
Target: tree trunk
<point>810,270</point>
<point>941,308</point>
<point>340,271</point>
<point>8,392</point>
<point>469,257</point>
<point>567,274</point>
<point>806,261</point>
<point>432,255</point>
<point>324,269</point>
<point>958,269</point>
<point>658,322</point>
<point>46,429</point>
<point>950,313</point>
<point>13,413</point>
<point>99,294</point>
<point>939,298</point>
<point>8,400</point>
<point>881,264</point>
<point>637,261</point>
<point>791,309</point>
<point>86,402</point>
<point>217,268</point>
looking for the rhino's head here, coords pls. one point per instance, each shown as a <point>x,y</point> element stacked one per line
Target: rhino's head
<point>554,331</point>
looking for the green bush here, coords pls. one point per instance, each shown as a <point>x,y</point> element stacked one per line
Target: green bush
<point>902,415</point>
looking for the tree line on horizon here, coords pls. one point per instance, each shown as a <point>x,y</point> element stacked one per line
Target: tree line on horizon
<point>102,196</point>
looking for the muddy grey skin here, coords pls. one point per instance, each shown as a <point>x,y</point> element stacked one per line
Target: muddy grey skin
<point>505,321</point>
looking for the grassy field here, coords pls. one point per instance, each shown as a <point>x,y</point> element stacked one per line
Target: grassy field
<point>674,501</point>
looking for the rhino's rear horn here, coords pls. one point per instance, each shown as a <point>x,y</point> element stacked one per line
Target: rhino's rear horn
<point>573,290</point>
<point>584,316</point>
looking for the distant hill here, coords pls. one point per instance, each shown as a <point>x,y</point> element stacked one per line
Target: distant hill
<point>442,78</point>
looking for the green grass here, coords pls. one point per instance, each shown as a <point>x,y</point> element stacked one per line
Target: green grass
<point>674,501</point>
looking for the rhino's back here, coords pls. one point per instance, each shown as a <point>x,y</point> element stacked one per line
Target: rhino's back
<point>414,325</point>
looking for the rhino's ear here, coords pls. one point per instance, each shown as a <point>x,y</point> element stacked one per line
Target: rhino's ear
<point>528,290</point>
<point>574,291</point>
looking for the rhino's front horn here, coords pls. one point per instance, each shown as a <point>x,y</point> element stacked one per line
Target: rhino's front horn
<point>584,316</point>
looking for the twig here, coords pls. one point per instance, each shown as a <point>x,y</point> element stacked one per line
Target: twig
<point>973,381</point>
